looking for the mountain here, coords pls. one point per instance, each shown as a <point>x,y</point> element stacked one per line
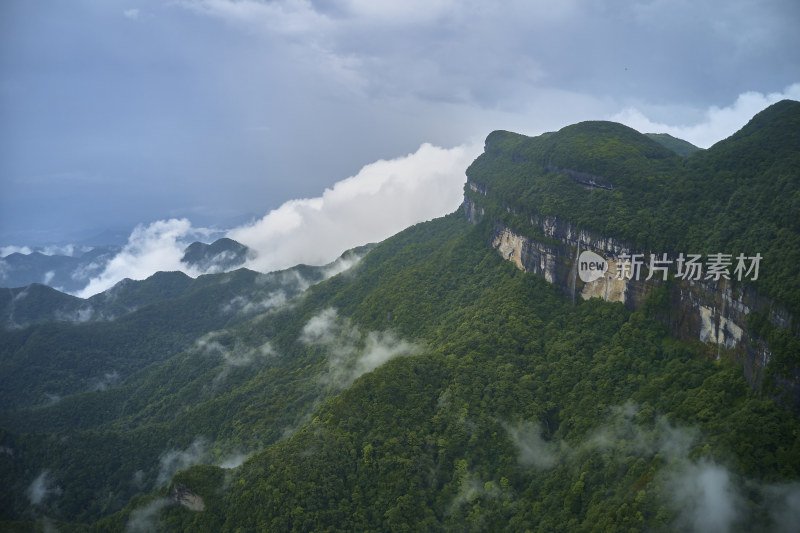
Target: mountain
<point>71,273</point>
<point>220,256</point>
<point>737,198</point>
<point>461,375</point>
<point>679,146</point>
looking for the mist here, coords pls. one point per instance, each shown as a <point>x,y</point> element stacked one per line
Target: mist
<point>145,519</point>
<point>382,199</point>
<point>41,488</point>
<point>351,353</point>
<point>174,460</point>
<point>704,494</point>
<point>532,449</point>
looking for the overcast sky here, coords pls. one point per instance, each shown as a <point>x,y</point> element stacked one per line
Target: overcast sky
<point>117,113</point>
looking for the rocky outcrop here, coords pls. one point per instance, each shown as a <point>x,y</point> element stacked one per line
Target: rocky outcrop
<point>182,495</point>
<point>589,181</point>
<point>706,310</point>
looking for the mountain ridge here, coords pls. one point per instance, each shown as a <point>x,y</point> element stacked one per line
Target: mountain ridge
<point>435,384</point>
<point>547,237</point>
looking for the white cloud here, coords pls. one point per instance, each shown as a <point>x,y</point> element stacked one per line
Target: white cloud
<point>145,519</point>
<point>233,460</point>
<point>399,11</point>
<point>107,380</point>
<point>243,304</point>
<point>66,249</point>
<point>532,449</point>
<point>150,249</point>
<point>706,498</point>
<point>717,123</point>
<point>8,250</point>
<point>41,488</point>
<point>175,460</point>
<point>784,506</point>
<point>235,356</point>
<point>382,199</point>
<point>289,17</point>
<point>347,358</point>
<point>131,13</point>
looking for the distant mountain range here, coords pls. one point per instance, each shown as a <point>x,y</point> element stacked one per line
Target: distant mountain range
<point>71,273</point>
<point>461,375</point>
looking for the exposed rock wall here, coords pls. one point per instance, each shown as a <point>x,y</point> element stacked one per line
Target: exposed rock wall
<point>706,310</point>
<point>181,495</point>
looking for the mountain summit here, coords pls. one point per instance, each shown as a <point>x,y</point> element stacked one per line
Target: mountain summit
<point>461,375</point>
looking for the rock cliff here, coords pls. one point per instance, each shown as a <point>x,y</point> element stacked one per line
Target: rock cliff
<point>706,310</point>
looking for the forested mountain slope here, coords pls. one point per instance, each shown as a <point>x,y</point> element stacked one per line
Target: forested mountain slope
<point>516,410</point>
<point>734,210</point>
<point>434,386</point>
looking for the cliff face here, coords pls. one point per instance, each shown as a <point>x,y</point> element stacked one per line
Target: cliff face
<point>706,310</point>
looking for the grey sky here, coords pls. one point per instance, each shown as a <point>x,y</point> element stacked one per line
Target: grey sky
<point>115,113</point>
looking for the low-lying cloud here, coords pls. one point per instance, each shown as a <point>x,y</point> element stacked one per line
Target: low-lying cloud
<point>150,249</point>
<point>532,449</point>
<point>176,460</point>
<point>382,199</point>
<point>232,352</point>
<point>704,495</point>
<point>350,353</point>
<point>717,124</point>
<point>106,381</point>
<point>41,488</point>
<point>245,305</point>
<point>145,519</point>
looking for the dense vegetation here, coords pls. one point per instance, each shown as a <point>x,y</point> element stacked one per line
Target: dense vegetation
<point>523,412</point>
<point>740,196</point>
<point>679,146</point>
<point>431,387</point>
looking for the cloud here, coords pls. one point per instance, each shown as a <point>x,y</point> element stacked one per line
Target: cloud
<point>156,247</point>
<point>237,355</point>
<point>41,488</point>
<point>8,250</point>
<point>243,304</point>
<point>717,123</point>
<point>233,460</point>
<point>705,497</point>
<point>783,502</point>
<point>233,352</point>
<point>131,13</point>
<point>621,435</point>
<point>107,380</point>
<point>323,328</point>
<point>471,488</point>
<point>349,352</point>
<point>175,460</point>
<point>382,199</point>
<point>145,519</point>
<point>532,449</point>
<point>380,347</point>
<point>288,17</point>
